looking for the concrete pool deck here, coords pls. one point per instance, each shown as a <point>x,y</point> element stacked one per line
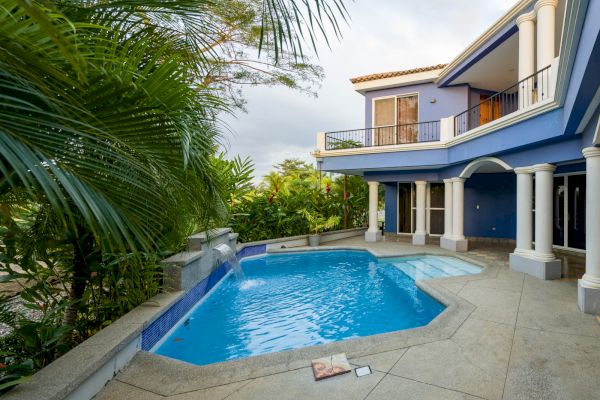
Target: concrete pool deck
<point>504,336</point>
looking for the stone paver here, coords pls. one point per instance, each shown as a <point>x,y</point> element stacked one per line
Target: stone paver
<point>516,338</point>
<point>394,387</point>
<point>381,362</point>
<point>300,384</point>
<point>547,365</point>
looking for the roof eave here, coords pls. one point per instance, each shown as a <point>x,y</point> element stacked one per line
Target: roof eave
<point>397,81</point>
<point>506,19</point>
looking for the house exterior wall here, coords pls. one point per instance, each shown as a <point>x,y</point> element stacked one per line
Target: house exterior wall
<point>490,205</point>
<point>391,207</point>
<point>449,101</point>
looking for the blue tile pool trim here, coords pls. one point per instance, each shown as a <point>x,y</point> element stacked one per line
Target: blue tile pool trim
<point>250,251</point>
<point>163,324</point>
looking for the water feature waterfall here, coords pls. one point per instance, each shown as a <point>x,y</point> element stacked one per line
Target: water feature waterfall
<point>225,253</point>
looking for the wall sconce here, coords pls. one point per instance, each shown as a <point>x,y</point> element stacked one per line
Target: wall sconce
<point>433,101</point>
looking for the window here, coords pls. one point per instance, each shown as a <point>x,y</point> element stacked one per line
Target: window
<point>407,208</point>
<point>384,121</point>
<point>408,117</point>
<point>436,208</point>
<point>395,120</point>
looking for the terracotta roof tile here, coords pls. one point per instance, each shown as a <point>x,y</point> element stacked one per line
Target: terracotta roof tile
<point>392,74</point>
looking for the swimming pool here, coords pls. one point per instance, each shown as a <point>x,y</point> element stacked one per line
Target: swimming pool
<point>285,301</point>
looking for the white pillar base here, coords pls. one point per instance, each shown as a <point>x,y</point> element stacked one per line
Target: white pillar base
<point>420,239</point>
<point>458,245</point>
<point>373,236</point>
<point>588,299</point>
<point>541,269</point>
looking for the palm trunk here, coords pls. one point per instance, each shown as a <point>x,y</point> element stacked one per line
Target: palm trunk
<point>83,246</point>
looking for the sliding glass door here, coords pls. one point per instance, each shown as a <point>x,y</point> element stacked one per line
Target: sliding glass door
<point>408,116</point>
<point>407,210</point>
<point>569,211</point>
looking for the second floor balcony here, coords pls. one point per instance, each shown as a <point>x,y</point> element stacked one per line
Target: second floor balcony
<point>524,95</point>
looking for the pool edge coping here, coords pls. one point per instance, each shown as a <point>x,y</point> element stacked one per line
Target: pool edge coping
<point>102,353</point>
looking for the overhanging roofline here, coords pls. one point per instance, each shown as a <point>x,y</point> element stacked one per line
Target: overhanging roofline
<point>484,38</point>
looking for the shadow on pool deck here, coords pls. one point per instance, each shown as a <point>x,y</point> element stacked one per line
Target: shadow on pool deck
<point>511,336</point>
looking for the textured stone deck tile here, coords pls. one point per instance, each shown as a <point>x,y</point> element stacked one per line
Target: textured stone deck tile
<point>300,384</point>
<point>537,289</point>
<point>453,287</point>
<point>495,305</point>
<point>382,362</point>
<point>486,344</point>
<point>394,388</point>
<point>512,284</point>
<point>116,390</point>
<point>546,365</point>
<point>506,272</point>
<point>169,377</point>
<point>556,316</point>
<point>473,362</point>
<point>213,393</point>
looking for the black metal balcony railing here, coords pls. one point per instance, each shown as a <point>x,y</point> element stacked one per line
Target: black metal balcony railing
<point>383,135</point>
<point>523,94</point>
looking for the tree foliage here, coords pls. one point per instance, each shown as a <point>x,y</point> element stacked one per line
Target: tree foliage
<point>109,121</point>
<point>277,207</point>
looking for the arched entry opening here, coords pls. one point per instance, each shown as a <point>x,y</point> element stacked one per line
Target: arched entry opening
<point>482,204</point>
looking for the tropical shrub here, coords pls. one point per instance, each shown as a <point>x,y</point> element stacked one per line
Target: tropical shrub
<point>109,121</point>
<point>273,208</point>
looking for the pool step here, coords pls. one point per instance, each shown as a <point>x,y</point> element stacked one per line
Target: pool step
<point>428,268</point>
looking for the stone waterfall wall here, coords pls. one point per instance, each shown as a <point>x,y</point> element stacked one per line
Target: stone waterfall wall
<point>205,252</point>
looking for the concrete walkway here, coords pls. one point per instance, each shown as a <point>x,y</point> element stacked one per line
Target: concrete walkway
<point>520,338</point>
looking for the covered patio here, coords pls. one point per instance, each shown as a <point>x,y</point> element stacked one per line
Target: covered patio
<point>508,336</point>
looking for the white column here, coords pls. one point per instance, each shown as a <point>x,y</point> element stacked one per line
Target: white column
<point>540,262</point>
<point>526,24</point>
<point>524,210</point>
<point>544,178</point>
<point>454,204</point>
<point>546,14</point>
<point>373,234</point>
<point>458,207</point>
<point>447,208</point>
<point>420,235</point>
<point>589,284</point>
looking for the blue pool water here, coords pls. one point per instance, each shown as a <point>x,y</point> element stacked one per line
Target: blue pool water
<point>285,301</point>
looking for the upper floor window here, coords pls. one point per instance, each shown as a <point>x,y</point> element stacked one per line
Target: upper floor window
<point>395,119</point>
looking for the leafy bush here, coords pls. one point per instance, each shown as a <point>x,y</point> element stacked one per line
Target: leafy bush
<point>272,209</point>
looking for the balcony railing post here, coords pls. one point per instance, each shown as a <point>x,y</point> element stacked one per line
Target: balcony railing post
<point>321,141</point>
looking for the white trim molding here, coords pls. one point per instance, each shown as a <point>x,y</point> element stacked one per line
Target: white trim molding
<point>475,164</point>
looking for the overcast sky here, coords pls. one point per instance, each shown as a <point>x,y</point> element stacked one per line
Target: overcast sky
<point>383,35</point>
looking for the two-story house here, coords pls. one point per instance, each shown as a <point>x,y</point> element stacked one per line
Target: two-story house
<point>502,142</point>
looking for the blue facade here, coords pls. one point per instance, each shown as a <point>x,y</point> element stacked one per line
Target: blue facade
<point>447,101</point>
<point>490,204</point>
<point>556,134</point>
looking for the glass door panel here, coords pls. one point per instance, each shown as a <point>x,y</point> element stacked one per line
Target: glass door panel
<point>436,208</point>
<point>384,121</point>
<point>558,220</point>
<point>404,208</point>
<point>408,117</point>
<point>576,211</point>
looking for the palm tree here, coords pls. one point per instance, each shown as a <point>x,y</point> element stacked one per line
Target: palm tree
<point>104,116</point>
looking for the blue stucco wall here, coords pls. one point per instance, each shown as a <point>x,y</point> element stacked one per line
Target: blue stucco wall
<point>495,194</point>
<point>391,207</point>
<point>449,101</point>
<point>490,206</point>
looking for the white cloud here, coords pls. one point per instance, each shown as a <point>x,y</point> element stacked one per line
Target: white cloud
<point>383,35</point>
